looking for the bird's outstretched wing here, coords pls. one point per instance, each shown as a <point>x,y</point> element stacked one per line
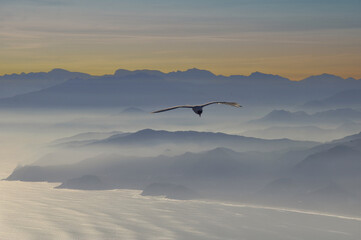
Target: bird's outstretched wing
<point>234,104</point>
<point>171,108</point>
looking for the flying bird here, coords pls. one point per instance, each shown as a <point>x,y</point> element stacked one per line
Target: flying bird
<point>198,109</point>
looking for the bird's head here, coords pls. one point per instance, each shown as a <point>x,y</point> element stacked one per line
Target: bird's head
<point>199,113</point>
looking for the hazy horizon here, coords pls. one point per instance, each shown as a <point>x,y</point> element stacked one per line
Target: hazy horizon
<point>83,214</point>
<point>88,152</point>
<point>174,71</point>
<point>291,38</point>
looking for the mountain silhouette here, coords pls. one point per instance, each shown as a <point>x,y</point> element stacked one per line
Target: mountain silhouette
<point>150,137</point>
<point>142,88</point>
<point>15,84</point>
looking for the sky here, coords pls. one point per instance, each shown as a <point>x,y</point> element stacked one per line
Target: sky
<point>292,38</point>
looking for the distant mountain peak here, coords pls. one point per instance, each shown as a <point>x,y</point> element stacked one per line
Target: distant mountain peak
<point>193,72</point>
<point>324,77</point>
<point>121,72</point>
<point>124,72</point>
<point>327,75</point>
<point>220,151</point>
<point>58,70</point>
<point>264,76</point>
<point>257,73</point>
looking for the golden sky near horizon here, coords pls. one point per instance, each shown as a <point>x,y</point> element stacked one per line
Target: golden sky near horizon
<point>294,39</point>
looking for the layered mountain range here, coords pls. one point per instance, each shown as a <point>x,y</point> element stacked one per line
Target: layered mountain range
<point>63,89</point>
<point>312,176</point>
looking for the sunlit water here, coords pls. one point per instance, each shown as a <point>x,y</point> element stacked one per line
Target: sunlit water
<point>37,211</point>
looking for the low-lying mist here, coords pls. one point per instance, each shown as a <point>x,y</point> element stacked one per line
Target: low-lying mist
<point>180,156</point>
<point>126,172</point>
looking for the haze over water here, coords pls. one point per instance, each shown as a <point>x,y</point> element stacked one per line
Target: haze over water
<point>33,210</point>
<point>81,157</point>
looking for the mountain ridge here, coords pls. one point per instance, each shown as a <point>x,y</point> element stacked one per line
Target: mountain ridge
<point>203,72</point>
<point>144,88</point>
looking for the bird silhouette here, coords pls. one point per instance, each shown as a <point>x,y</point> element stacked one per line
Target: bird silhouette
<point>198,109</point>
